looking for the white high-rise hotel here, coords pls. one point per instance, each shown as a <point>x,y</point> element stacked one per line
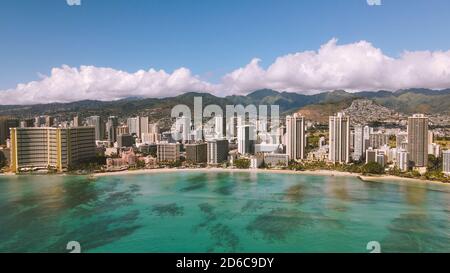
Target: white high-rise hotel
<point>295,136</point>
<point>446,162</point>
<point>402,161</point>
<point>339,130</point>
<point>359,144</point>
<point>134,126</point>
<point>246,139</point>
<point>182,129</point>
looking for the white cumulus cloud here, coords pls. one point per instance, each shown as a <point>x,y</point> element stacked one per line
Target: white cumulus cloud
<point>73,2</point>
<point>352,67</point>
<point>68,84</point>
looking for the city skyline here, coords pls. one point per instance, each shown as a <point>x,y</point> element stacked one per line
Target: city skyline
<point>348,142</point>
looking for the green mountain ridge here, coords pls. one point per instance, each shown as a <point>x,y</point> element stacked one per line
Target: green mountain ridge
<point>404,101</point>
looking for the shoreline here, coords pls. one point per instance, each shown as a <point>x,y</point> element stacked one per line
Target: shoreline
<point>397,179</point>
<point>331,173</point>
<point>365,178</point>
<point>174,170</point>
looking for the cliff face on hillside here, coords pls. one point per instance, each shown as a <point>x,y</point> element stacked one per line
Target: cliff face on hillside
<point>364,111</point>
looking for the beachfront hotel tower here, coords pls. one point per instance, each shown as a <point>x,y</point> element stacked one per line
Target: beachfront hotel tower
<point>196,153</point>
<point>168,152</point>
<point>56,148</point>
<point>217,151</point>
<point>295,136</point>
<point>418,140</point>
<point>402,161</point>
<point>339,133</point>
<point>446,162</point>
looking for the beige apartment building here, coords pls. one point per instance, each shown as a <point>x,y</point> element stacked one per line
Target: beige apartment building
<point>167,152</point>
<point>58,148</point>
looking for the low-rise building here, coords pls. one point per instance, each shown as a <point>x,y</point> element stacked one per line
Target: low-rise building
<point>268,148</point>
<point>111,151</point>
<point>256,161</point>
<point>150,161</point>
<point>375,155</point>
<point>276,160</point>
<point>127,158</point>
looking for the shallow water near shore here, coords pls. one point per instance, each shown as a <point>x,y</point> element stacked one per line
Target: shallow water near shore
<point>221,212</point>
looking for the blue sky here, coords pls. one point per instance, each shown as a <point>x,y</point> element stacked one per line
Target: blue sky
<point>210,37</point>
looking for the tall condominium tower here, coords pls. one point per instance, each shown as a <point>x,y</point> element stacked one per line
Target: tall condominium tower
<point>418,140</point>
<point>430,137</point>
<point>446,162</point>
<point>138,126</point>
<point>359,144</point>
<point>376,140</point>
<point>99,125</point>
<point>134,126</point>
<point>39,121</point>
<point>295,136</point>
<point>367,131</point>
<point>231,126</point>
<point>112,125</point>
<point>5,124</point>
<point>76,121</point>
<point>152,135</point>
<point>246,139</point>
<point>49,121</point>
<point>153,128</point>
<point>217,151</point>
<point>339,132</point>
<point>144,126</point>
<point>220,126</point>
<point>185,124</point>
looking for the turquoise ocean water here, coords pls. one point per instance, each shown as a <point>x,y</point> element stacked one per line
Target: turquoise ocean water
<point>221,212</point>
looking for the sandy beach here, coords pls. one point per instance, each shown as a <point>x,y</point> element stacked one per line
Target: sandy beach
<point>366,178</point>
<point>397,179</point>
<point>383,178</point>
<point>167,170</point>
<point>7,174</point>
